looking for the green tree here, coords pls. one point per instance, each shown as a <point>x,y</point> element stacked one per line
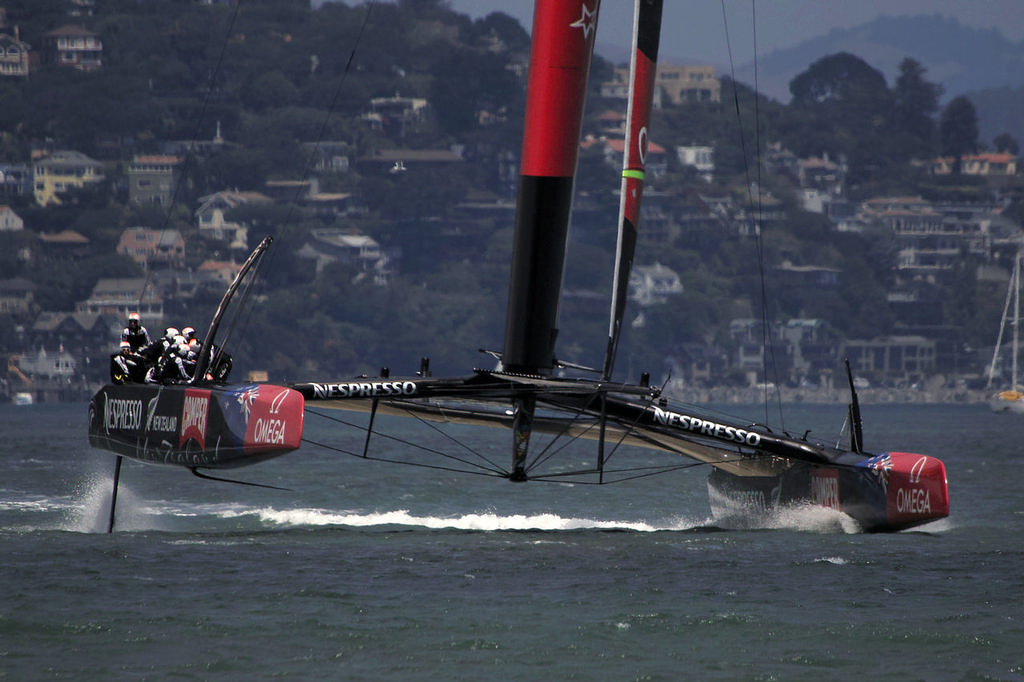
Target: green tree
<point>841,77</point>
<point>842,107</point>
<point>958,130</point>
<point>1006,143</point>
<point>915,103</point>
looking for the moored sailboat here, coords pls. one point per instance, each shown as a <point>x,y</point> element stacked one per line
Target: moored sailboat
<point>1010,399</point>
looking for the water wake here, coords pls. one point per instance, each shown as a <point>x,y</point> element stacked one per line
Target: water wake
<point>800,517</point>
<point>472,521</point>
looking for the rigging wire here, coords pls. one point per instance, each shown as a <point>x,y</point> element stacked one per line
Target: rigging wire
<point>190,152</point>
<point>756,207</point>
<point>496,470</point>
<point>314,152</point>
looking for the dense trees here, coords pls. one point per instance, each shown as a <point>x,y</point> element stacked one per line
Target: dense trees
<point>276,74</point>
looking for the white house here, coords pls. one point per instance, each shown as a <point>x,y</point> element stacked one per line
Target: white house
<point>652,284</point>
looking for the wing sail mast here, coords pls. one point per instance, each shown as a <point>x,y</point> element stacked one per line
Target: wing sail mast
<point>642,72</point>
<point>206,353</point>
<point>560,54</point>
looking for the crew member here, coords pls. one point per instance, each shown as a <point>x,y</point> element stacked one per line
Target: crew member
<point>135,334</point>
<point>126,365</point>
<point>158,354</point>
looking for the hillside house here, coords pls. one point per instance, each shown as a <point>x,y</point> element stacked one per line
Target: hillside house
<point>699,157</point>
<point>220,271</point>
<point>614,148</point>
<point>211,216</point>
<point>393,113</point>
<point>9,220</point>
<point>88,332</point>
<point>329,246</point>
<point>328,156</point>
<point>930,240</point>
<point>894,357</point>
<point>675,83</point>
<point>41,364</point>
<point>62,246</point>
<point>409,160</point>
<point>153,248</point>
<point>152,179</point>
<point>121,296</point>
<point>61,171</point>
<point>73,47</point>
<point>17,297</point>
<point>14,57</point>
<point>15,179</point>
<point>989,164</point>
<point>653,284</point>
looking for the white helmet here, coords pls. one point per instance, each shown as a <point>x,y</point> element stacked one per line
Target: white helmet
<point>189,333</point>
<point>170,333</point>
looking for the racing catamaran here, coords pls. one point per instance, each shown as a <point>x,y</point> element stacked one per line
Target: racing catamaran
<point>531,391</point>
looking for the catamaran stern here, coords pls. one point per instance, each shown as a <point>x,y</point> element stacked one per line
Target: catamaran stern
<point>884,493</point>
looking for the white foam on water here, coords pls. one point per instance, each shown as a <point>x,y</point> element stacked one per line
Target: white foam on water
<point>802,517</point>
<point>473,521</point>
<point>91,511</point>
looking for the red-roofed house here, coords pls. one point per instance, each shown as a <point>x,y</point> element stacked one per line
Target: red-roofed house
<point>64,245</point>
<point>151,248</point>
<point>995,163</point>
<point>223,270</point>
<point>657,159</point>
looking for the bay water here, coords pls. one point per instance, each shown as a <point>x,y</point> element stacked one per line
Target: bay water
<point>368,571</point>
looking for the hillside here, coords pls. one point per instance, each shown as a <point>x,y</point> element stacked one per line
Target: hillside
<point>964,61</point>
<point>443,94</point>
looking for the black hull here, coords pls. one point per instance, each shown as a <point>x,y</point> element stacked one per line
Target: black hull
<point>210,427</point>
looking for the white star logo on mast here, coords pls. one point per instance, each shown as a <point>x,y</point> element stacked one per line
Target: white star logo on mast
<point>587,21</point>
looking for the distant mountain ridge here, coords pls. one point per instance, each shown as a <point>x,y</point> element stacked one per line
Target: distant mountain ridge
<point>962,59</point>
<point>979,63</point>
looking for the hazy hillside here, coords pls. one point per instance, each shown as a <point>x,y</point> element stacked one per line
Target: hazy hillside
<point>964,60</point>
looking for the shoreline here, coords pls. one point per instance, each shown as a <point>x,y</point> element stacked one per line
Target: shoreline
<point>729,395</point>
<point>820,396</point>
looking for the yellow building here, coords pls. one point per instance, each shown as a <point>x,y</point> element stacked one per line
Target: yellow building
<point>61,171</point>
<point>674,84</point>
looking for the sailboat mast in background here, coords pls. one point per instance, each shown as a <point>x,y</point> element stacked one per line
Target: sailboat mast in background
<point>1011,399</point>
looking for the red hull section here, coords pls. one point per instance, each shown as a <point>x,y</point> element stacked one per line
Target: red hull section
<point>917,490</point>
